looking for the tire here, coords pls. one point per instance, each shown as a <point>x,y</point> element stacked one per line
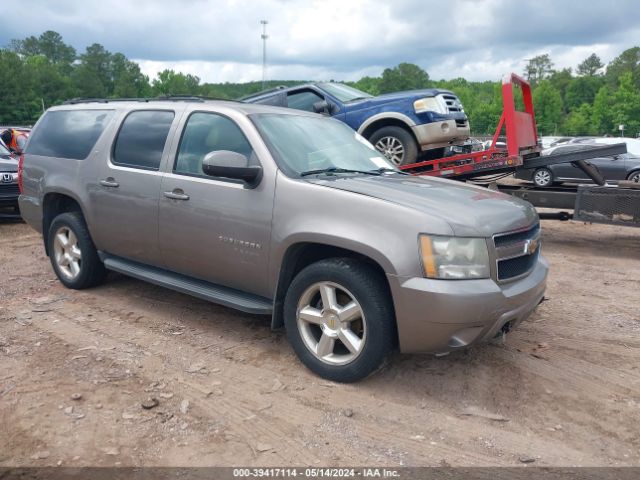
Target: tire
<point>368,326</point>
<point>634,176</point>
<point>76,264</point>
<point>542,177</point>
<point>395,143</point>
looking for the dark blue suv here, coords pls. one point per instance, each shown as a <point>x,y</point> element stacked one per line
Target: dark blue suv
<point>400,125</point>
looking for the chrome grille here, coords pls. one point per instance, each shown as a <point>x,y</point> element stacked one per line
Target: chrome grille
<point>452,102</point>
<point>516,252</point>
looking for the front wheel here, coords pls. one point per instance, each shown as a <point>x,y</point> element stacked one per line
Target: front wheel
<point>395,143</point>
<point>339,319</point>
<point>634,177</point>
<point>543,177</point>
<point>72,253</point>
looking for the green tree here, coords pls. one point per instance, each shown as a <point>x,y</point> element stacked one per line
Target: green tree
<point>49,44</point>
<point>17,99</point>
<point>128,80</point>
<point>47,82</point>
<point>591,66</point>
<point>93,77</point>
<point>602,115</point>
<point>626,105</point>
<point>627,62</point>
<point>370,85</point>
<point>172,83</point>
<point>579,121</point>
<point>539,68</point>
<point>582,90</point>
<point>548,108</point>
<point>406,76</point>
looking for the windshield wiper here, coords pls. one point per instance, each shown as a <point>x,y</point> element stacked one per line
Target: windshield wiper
<point>388,169</point>
<point>339,170</point>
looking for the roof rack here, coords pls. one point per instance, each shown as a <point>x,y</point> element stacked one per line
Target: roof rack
<point>75,101</point>
<point>170,98</point>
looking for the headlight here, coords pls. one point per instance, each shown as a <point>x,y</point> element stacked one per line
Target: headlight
<point>429,104</point>
<point>454,258</point>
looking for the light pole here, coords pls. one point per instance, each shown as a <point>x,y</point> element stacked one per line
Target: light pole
<point>264,52</point>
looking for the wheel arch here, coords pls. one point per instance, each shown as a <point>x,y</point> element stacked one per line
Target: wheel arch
<point>53,204</point>
<point>633,172</point>
<point>374,124</point>
<point>301,254</point>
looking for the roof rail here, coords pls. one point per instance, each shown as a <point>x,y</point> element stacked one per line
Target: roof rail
<point>170,98</point>
<point>75,101</point>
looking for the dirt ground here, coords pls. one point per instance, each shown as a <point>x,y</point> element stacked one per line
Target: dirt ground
<point>563,390</point>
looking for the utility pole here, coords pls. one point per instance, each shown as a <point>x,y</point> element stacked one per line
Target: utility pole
<point>264,52</point>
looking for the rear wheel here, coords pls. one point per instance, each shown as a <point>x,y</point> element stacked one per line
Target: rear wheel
<point>339,319</point>
<point>73,256</point>
<point>543,177</point>
<point>634,177</point>
<point>395,143</point>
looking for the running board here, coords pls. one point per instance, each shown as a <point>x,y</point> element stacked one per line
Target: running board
<point>211,292</point>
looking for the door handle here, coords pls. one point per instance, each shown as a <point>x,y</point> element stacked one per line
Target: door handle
<point>177,194</point>
<point>109,182</point>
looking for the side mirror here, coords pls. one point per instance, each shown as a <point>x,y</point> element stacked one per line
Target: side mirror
<point>322,107</point>
<point>227,164</point>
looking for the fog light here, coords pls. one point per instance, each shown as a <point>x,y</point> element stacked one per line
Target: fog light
<point>445,127</point>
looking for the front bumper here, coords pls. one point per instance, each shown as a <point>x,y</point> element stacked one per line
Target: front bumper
<point>438,316</point>
<point>440,134</point>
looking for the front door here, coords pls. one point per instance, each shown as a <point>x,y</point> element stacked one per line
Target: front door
<point>125,199</point>
<point>211,228</point>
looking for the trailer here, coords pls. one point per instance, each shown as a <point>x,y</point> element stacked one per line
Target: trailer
<point>600,203</point>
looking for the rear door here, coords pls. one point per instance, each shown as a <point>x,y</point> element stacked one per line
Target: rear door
<point>125,200</point>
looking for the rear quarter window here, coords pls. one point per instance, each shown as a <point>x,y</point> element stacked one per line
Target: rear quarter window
<point>68,134</point>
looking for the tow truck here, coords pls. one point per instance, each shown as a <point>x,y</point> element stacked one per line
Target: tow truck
<point>519,147</point>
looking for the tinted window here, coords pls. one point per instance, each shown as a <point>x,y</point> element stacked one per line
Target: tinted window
<point>68,133</point>
<point>208,132</point>
<point>303,100</point>
<point>141,139</point>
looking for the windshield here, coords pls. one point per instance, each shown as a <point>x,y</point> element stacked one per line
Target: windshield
<point>3,150</point>
<point>306,144</point>
<point>343,92</point>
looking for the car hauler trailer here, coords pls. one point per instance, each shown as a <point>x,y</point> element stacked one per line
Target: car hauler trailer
<point>603,203</point>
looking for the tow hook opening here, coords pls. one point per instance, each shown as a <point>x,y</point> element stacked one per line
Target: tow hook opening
<point>501,334</point>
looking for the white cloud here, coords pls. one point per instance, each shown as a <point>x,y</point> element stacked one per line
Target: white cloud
<point>219,40</point>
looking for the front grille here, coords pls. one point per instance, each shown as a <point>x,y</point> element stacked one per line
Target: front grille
<point>8,189</point>
<point>517,252</point>
<point>461,123</point>
<point>514,267</point>
<point>452,102</point>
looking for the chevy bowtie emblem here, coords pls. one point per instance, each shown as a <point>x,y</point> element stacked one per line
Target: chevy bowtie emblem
<point>530,247</point>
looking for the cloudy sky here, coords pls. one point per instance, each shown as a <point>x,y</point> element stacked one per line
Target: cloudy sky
<point>219,40</point>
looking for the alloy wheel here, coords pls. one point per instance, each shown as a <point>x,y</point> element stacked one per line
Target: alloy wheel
<point>542,178</point>
<point>331,323</point>
<point>67,253</point>
<point>391,148</point>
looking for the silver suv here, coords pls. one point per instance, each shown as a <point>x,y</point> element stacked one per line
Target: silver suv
<point>280,212</point>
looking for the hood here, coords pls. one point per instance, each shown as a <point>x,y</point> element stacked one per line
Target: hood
<point>8,164</point>
<point>408,95</point>
<point>468,209</point>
